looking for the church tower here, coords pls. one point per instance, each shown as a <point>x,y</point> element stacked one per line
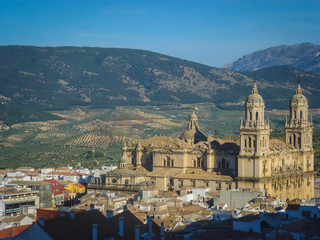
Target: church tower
<point>299,128</point>
<point>254,130</point>
<point>193,134</point>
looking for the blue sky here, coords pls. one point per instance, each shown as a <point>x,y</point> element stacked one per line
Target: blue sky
<point>213,32</point>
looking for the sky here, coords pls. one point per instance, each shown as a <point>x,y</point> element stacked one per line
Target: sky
<point>212,32</point>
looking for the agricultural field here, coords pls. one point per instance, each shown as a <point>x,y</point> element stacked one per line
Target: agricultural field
<point>94,137</point>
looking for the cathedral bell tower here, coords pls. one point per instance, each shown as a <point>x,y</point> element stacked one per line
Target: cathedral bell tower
<point>254,130</point>
<point>299,128</point>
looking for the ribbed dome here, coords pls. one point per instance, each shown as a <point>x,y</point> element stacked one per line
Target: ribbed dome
<point>254,98</point>
<point>189,134</point>
<point>299,98</point>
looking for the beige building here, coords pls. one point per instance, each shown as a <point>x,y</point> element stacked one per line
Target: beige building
<point>283,169</point>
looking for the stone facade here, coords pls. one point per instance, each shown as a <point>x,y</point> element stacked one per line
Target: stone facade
<point>283,169</point>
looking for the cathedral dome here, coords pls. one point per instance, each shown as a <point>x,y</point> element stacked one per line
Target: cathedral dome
<point>189,134</point>
<point>299,99</point>
<point>254,98</point>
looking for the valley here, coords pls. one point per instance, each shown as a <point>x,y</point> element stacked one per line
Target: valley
<point>94,137</point>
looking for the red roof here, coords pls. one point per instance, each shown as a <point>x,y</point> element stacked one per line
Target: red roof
<point>57,188</point>
<point>13,231</point>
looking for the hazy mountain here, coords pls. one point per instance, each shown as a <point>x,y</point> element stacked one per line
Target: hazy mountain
<point>51,78</point>
<point>304,56</point>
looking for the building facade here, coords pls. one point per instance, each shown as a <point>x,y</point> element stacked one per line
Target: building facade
<point>283,169</point>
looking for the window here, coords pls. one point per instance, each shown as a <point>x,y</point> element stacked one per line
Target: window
<point>223,163</point>
<point>198,162</point>
<point>168,161</point>
<point>180,183</point>
<point>249,142</point>
<point>219,164</point>
<point>126,182</point>
<point>257,116</point>
<point>300,115</point>
<point>250,116</point>
<point>227,165</point>
<point>245,143</point>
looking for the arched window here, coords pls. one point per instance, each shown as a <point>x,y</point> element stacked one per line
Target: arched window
<point>168,161</point>
<point>126,182</point>
<point>198,162</point>
<point>223,163</point>
<point>250,116</point>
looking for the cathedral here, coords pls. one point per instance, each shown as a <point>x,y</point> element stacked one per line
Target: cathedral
<point>283,169</point>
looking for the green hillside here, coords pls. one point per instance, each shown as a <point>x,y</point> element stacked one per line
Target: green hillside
<point>57,78</point>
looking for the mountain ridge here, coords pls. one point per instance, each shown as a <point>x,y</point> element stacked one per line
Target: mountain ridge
<point>304,56</point>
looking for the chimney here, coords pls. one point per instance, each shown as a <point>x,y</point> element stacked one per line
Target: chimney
<point>91,206</point>
<point>109,213</point>
<point>162,231</point>
<point>41,220</point>
<point>136,232</point>
<point>94,231</point>
<point>72,213</point>
<point>121,227</point>
<point>149,221</point>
